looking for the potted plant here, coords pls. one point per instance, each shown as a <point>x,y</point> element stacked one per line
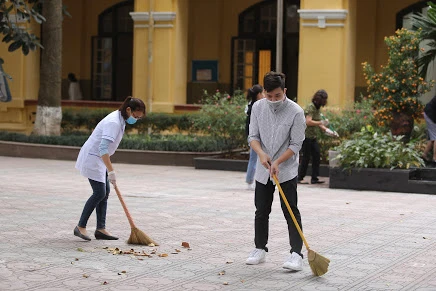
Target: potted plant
<point>396,88</point>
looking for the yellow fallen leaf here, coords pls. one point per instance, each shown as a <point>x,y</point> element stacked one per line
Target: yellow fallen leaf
<point>163,255</point>
<point>85,276</point>
<point>80,250</point>
<point>226,283</point>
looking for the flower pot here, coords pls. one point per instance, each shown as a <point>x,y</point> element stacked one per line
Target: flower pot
<point>402,124</point>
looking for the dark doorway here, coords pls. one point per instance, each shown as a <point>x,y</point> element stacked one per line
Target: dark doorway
<point>112,54</point>
<point>254,49</point>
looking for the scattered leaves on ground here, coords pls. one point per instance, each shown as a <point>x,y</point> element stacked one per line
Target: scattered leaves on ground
<point>163,255</point>
<point>185,244</point>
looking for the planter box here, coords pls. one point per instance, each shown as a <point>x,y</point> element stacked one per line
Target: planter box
<point>405,181</point>
<point>55,152</point>
<point>217,162</point>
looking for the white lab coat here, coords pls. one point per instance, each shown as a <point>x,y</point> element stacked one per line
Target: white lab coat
<point>89,162</point>
<point>74,91</point>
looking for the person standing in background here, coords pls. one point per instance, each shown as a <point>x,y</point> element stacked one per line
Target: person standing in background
<point>74,91</point>
<point>253,94</point>
<point>430,120</point>
<point>310,147</point>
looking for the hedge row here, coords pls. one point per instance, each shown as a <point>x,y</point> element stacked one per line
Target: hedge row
<point>181,143</point>
<point>86,120</point>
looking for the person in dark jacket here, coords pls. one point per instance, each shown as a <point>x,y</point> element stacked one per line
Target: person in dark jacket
<point>430,120</point>
<point>253,94</point>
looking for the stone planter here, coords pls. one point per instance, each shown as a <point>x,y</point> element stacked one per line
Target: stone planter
<point>405,181</point>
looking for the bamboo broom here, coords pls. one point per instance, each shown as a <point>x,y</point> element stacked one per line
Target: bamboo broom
<point>318,263</point>
<point>137,237</point>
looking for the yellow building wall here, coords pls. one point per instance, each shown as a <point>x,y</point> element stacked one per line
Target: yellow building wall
<point>327,55</point>
<point>210,34</point>
<point>72,29</point>
<point>25,83</point>
<point>375,20</point>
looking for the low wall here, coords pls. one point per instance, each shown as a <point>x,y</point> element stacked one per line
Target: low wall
<point>55,152</point>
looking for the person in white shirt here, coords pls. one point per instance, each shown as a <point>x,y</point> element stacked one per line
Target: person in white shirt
<point>277,128</point>
<point>95,164</point>
<point>74,91</point>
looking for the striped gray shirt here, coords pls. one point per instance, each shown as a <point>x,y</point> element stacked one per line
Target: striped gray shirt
<point>277,131</point>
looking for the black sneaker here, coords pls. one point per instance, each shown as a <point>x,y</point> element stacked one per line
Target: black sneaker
<point>316,182</point>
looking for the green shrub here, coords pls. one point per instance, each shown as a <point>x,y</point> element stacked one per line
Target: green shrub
<point>178,142</point>
<point>85,120</point>
<point>222,117</point>
<point>346,123</point>
<point>369,149</point>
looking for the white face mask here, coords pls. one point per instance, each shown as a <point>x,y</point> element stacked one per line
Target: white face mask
<point>275,104</point>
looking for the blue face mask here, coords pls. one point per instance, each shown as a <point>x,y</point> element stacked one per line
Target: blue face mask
<point>131,120</point>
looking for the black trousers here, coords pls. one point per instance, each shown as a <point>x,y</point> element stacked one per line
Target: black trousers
<point>310,148</point>
<point>263,199</point>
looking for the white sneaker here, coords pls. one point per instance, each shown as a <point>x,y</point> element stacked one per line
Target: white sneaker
<point>251,186</point>
<point>294,262</point>
<point>257,256</point>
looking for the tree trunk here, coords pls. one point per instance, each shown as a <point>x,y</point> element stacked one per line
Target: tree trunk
<point>49,111</point>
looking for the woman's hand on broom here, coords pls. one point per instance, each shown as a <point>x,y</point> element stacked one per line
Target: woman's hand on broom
<point>112,178</point>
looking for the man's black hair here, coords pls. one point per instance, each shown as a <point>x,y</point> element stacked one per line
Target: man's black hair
<point>274,80</point>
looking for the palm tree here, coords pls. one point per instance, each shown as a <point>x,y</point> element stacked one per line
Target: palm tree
<point>427,23</point>
<point>49,111</point>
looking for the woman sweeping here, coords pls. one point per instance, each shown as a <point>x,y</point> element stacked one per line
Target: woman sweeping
<point>94,163</point>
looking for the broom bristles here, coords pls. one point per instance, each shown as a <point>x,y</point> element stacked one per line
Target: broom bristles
<point>138,237</point>
<point>318,263</point>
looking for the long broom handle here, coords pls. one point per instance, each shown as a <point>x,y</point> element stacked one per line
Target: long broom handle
<point>129,217</point>
<point>290,211</point>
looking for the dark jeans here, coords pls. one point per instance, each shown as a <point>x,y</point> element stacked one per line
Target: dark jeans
<point>263,199</point>
<point>310,148</point>
<point>97,201</point>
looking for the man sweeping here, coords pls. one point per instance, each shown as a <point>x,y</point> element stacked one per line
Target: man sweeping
<point>277,127</point>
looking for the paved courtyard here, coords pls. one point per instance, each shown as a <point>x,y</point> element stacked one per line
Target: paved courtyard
<point>375,240</point>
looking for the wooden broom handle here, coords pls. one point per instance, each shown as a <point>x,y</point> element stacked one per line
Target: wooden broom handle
<point>129,217</point>
<point>290,211</point>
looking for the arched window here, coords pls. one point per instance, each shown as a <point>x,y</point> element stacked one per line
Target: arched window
<point>112,53</point>
<point>254,49</point>
<point>403,17</point>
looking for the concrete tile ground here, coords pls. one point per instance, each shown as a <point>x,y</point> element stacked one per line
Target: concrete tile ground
<point>375,240</point>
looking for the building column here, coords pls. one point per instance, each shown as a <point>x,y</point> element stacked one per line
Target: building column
<point>169,53</point>
<point>327,51</point>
